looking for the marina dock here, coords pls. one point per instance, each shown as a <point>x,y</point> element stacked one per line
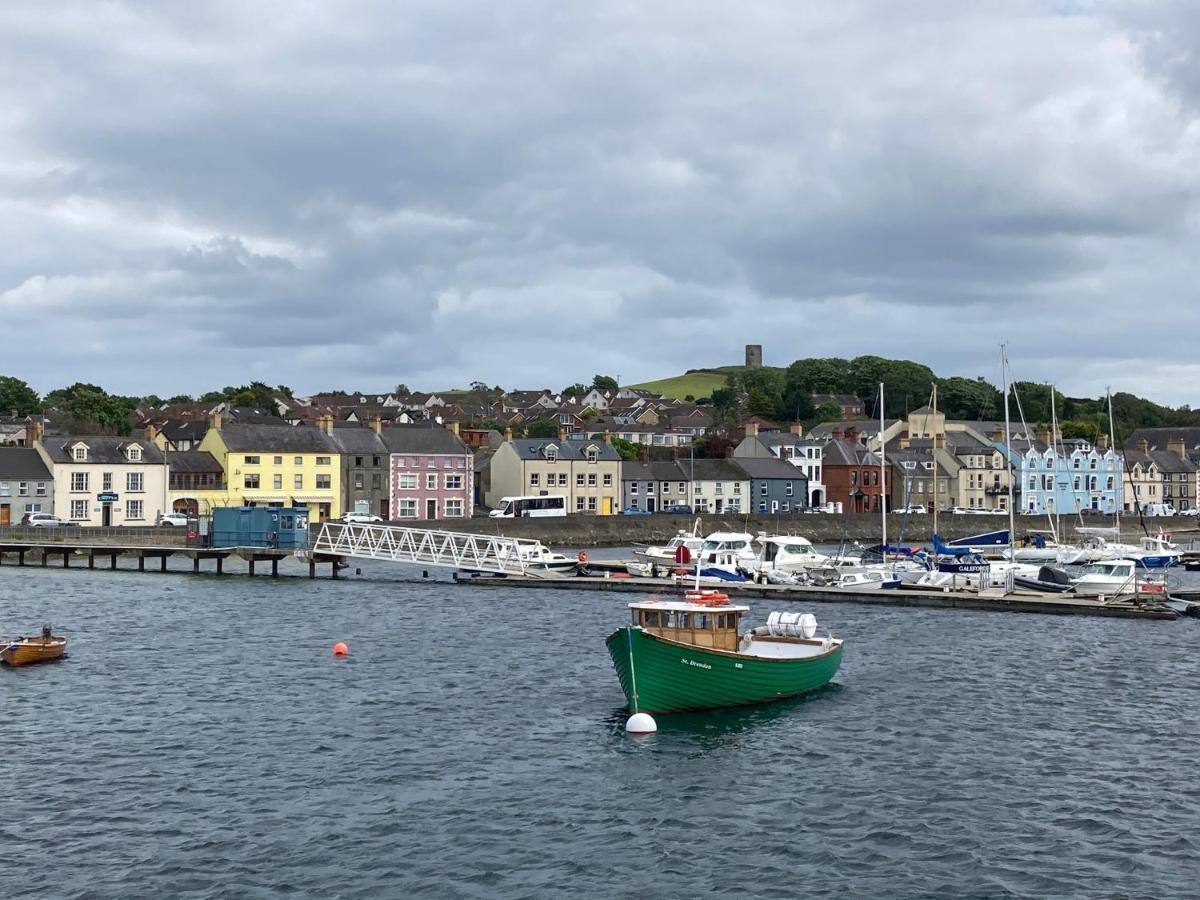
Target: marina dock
<point>41,553</point>
<point>988,601</point>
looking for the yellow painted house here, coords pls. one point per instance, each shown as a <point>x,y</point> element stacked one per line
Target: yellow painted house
<point>278,465</point>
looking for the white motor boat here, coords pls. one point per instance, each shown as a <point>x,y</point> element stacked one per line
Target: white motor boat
<point>857,579</point>
<point>1110,578</point>
<point>539,558</point>
<point>666,553</point>
<point>788,553</point>
<point>720,544</point>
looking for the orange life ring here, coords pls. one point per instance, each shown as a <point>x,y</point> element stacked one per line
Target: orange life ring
<point>582,556</point>
<point>705,598</point>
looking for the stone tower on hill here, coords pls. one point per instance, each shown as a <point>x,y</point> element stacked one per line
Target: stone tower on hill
<point>754,356</point>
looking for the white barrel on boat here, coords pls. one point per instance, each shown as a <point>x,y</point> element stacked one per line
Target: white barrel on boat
<point>808,625</point>
<point>773,623</point>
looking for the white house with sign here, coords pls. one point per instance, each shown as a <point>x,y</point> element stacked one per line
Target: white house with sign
<point>106,480</point>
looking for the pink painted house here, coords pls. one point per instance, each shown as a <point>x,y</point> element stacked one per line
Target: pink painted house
<point>431,473</point>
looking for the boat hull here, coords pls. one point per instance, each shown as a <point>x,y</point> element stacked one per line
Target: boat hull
<point>25,653</point>
<point>673,677</point>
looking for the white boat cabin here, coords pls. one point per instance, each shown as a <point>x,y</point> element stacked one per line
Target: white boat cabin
<point>690,623</point>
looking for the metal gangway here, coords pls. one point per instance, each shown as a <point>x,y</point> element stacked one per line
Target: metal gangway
<point>421,546</point>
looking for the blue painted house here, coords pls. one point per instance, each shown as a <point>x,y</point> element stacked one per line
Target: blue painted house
<point>1066,476</point>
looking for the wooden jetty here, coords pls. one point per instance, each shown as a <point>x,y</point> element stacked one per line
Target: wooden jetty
<point>989,601</point>
<point>107,552</point>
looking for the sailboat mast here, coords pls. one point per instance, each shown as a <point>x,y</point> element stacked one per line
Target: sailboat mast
<point>1012,526</point>
<point>933,454</point>
<point>882,473</point>
<point>1056,519</point>
<point>1112,444</point>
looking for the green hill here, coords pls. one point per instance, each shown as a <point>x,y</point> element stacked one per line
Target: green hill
<point>698,382</point>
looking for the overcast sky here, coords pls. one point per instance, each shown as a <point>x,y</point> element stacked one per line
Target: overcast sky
<point>355,195</point>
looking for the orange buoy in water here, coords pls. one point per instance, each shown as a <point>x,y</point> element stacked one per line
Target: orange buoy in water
<point>340,649</point>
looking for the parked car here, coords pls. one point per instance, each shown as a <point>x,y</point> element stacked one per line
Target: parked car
<point>634,511</point>
<point>42,520</point>
<point>910,510</point>
<point>351,518</point>
<point>958,510</point>
<point>1190,511</point>
<point>679,509</point>
<point>176,519</point>
<point>1088,511</point>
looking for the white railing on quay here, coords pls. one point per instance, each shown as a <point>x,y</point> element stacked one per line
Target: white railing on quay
<point>421,546</point>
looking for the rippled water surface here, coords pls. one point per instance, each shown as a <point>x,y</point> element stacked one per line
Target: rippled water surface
<point>201,741</point>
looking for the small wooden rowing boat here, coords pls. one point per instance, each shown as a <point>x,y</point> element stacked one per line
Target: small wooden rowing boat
<point>23,651</point>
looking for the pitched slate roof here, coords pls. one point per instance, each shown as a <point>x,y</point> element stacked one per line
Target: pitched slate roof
<point>277,439</point>
<point>432,439</point>
<point>660,470</point>
<point>104,449</point>
<point>766,469</point>
<point>22,463</point>
<point>572,448</point>
<point>192,461</point>
<point>357,439</point>
<point>1157,438</point>
<point>712,470</point>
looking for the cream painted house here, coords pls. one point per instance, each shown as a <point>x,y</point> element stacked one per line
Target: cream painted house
<point>102,480</point>
<point>586,472</point>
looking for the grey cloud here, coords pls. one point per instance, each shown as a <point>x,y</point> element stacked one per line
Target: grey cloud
<point>529,193</point>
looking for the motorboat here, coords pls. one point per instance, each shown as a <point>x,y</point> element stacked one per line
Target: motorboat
<point>721,543</point>
<point>788,553</point>
<point>1048,580</point>
<point>669,552</point>
<point>720,667</point>
<point>1110,578</point>
<point>865,578</point>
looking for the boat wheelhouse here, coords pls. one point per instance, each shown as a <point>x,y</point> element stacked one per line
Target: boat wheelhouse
<point>689,654</point>
<point>790,553</point>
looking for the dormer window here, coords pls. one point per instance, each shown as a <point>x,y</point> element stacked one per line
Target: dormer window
<point>79,453</point>
<point>135,453</point>
<point>592,454</point>
<point>551,453</point>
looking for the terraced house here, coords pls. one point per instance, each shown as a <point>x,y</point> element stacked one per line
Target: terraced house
<point>586,472</point>
<point>279,465</point>
<point>106,480</point>
<point>432,473</point>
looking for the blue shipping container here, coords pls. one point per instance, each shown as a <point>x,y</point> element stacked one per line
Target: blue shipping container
<point>272,527</point>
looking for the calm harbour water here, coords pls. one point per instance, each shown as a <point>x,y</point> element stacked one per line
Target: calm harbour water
<point>202,741</point>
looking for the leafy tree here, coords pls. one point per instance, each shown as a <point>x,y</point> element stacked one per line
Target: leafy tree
<point>212,397</point>
<point>725,407</point>
<point>151,400</point>
<point>181,400</point>
<point>87,408</point>
<point>605,383</point>
<point>282,390</point>
<point>542,428</point>
<point>907,385</point>
<point>479,387</point>
<point>819,376</point>
<point>17,396</point>
<point>689,398</point>
<point>1080,428</point>
<point>969,398</point>
<point>828,412</point>
<point>628,449</point>
<point>576,390</point>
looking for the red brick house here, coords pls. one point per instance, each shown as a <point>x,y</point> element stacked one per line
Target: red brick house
<point>851,474</point>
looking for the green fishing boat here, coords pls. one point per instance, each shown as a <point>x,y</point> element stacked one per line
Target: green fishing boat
<point>689,654</point>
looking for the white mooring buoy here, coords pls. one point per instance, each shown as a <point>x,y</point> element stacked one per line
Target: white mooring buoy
<point>641,723</point>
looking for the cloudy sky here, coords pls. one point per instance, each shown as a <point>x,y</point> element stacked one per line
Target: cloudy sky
<point>355,195</point>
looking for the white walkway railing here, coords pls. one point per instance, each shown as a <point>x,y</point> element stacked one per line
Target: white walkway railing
<point>391,543</point>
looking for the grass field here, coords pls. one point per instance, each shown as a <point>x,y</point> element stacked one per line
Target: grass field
<point>698,384</point>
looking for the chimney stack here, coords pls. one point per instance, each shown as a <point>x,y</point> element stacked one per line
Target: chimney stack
<point>214,420</point>
<point>34,432</point>
<point>1102,442</point>
<point>836,434</point>
<point>1144,445</point>
<point>608,437</point>
<point>562,432</point>
<point>507,435</point>
<point>797,428</point>
<point>1048,437</point>
<point>377,424</point>
<point>454,427</point>
<point>325,423</point>
<point>998,435</point>
<point>1177,446</point>
<point>751,429</point>
<point>152,434</point>
<point>904,441</point>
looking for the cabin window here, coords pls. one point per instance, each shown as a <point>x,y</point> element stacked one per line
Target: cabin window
<point>650,618</point>
<point>702,621</point>
<point>683,620</point>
